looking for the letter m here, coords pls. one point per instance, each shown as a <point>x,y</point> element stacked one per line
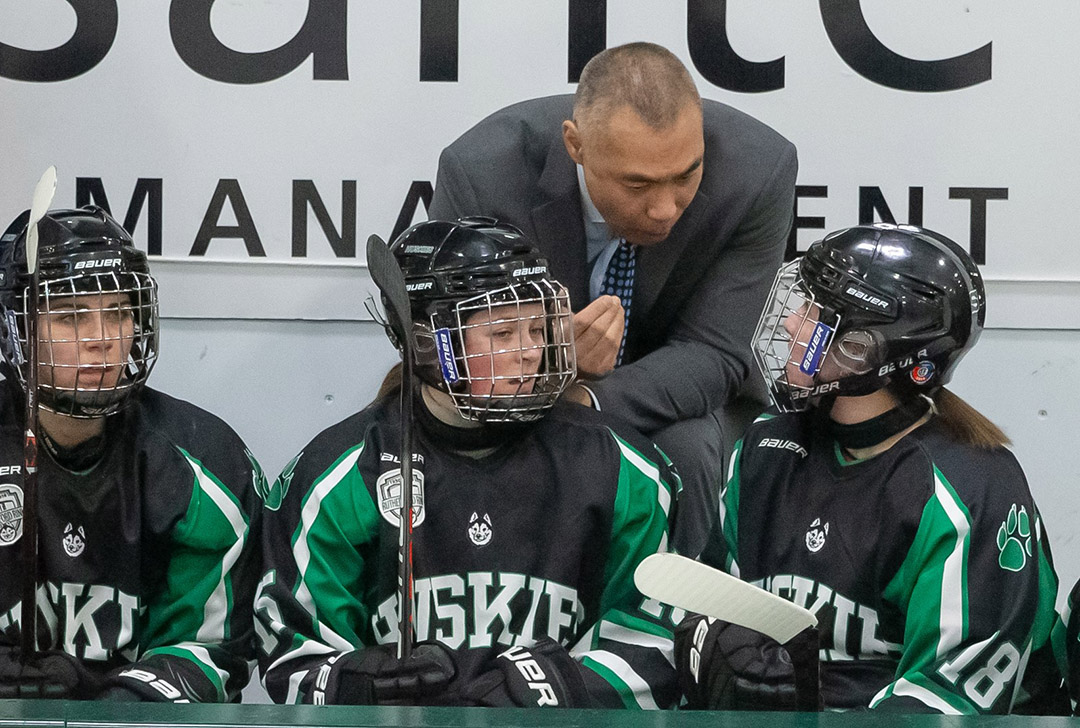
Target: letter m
<point>91,190</point>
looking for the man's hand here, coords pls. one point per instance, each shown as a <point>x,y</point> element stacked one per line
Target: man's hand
<point>598,330</point>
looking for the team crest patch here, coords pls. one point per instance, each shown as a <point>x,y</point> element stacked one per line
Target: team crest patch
<point>923,373</point>
<point>11,513</point>
<point>388,486</point>
<point>74,540</point>
<point>815,536</point>
<point>480,529</point>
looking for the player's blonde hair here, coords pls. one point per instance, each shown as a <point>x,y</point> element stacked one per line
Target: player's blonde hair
<point>965,423</point>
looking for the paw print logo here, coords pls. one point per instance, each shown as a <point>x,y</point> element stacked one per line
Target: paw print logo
<point>1014,540</point>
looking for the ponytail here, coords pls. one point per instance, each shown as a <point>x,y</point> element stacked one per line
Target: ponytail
<point>965,423</point>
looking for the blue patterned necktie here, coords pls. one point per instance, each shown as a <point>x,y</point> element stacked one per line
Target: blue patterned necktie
<point>619,281</point>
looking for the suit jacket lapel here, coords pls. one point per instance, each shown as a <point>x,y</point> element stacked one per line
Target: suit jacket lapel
<point>557,219</point>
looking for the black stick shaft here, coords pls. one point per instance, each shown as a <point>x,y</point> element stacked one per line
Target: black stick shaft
<point>405,557</point>
<point>30,490</point>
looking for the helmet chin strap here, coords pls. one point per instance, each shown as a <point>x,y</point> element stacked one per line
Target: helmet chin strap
<point>438,416</point>
<point>878,429</point>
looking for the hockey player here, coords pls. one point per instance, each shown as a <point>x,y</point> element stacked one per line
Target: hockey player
<point>144,501</point>
<point>530,517</point>
<point>879,499</point>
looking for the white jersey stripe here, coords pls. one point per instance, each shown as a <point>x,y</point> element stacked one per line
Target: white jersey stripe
<point>909,689</point>
<point>302,553</point>
<point>951,621</point>
<point>217,605</point>
<point>637,638</point>
<point>642,694</point>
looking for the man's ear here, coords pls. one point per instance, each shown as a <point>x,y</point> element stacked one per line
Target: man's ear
<point>572,139</point>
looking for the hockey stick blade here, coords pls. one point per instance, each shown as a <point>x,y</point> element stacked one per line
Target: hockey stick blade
<point>43,195</point>
<point>695,587</point>
<point>386,274</point>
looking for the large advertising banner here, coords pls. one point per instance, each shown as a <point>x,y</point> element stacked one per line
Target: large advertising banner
<point>253,145</point>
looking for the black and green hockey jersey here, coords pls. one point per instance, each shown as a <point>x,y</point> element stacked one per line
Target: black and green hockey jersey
<point>926,565</point>
<point>1067,645</point>
<point>146,559</point>
<point>539,539</point>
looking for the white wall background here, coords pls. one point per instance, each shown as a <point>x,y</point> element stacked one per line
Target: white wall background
<point>281,347</point>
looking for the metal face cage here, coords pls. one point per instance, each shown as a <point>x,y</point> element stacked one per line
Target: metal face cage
<point>511,353</point>
<point>97,341</point>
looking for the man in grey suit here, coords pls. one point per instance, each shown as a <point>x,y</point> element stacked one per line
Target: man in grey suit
<point>690,200</point>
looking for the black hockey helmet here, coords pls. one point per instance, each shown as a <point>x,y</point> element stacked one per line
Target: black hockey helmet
<point>868,307</point>
<point>480,279</point>
<point>97,311</point>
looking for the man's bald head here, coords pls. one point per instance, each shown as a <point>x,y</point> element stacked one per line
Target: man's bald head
<point>647,78</point>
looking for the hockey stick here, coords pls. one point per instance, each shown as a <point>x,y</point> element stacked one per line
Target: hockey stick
<point>43,194</point>
<point>695,587</point>
<point>385,272</point>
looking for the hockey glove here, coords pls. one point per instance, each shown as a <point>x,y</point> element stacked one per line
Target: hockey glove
<point>156,680</point>
<point>723,666</point>
<point>51,674</point>
<point>375,676</point>
<point>544,675</point>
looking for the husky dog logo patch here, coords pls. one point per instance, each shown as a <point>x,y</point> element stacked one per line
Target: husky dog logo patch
<point>480,529</point>
<point>74,540</point>
<point>815,535</point>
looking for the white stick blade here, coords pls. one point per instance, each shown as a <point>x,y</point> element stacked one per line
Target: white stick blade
<point>695,587</point>
<point>43,195</point>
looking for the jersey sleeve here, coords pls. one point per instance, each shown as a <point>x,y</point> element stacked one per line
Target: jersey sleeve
<point>309,605</point>
<point>977,589</point>
<point>196,644</point>
<point>627,654</point>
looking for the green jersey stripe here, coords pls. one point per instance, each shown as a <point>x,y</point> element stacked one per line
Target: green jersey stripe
<point>627,636</point>
<point>622,676</point>
<point>953,614</point>
<point>647,469</point>
<point>310,511</point>
<point>218,604</point>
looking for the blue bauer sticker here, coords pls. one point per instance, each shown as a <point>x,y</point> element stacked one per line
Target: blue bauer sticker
<point>815,349</point>
<point>445,348</point>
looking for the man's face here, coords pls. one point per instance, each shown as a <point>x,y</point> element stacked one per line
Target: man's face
<point>84,341</point>
<point>640,179</point>
<point>504,347</point>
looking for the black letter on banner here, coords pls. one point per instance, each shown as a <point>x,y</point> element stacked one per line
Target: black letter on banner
<point>587,35</point>
<point>804,223</point>
<point>418,190</point>
<point>868,56</point>
<point>304,195</point>
<point>322,36</point>
<point>95,31</point>
<point>872,201</point>
<point>438,40</point>
<point>244,229</point>
<point>978,197</point>
<point>90,190</point>
<point>713,56</point>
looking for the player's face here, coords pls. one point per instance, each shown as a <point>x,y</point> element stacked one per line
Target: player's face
<point>641,179</point>
<point>84,341</point>
<point>504,347</point>
<point>799,325</point>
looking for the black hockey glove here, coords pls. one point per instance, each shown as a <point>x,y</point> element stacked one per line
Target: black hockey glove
<point>375,676</point>
<point>51,674</point>
<point>723,666</point>
<point>544,675</point>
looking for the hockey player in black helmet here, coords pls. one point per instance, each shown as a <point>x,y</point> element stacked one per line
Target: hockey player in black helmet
<point>530,513</point>
<point>879,499</point>
<point>145,502</point>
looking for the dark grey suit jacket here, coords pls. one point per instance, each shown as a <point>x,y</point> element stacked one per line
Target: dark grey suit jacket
<point>697,295</point>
